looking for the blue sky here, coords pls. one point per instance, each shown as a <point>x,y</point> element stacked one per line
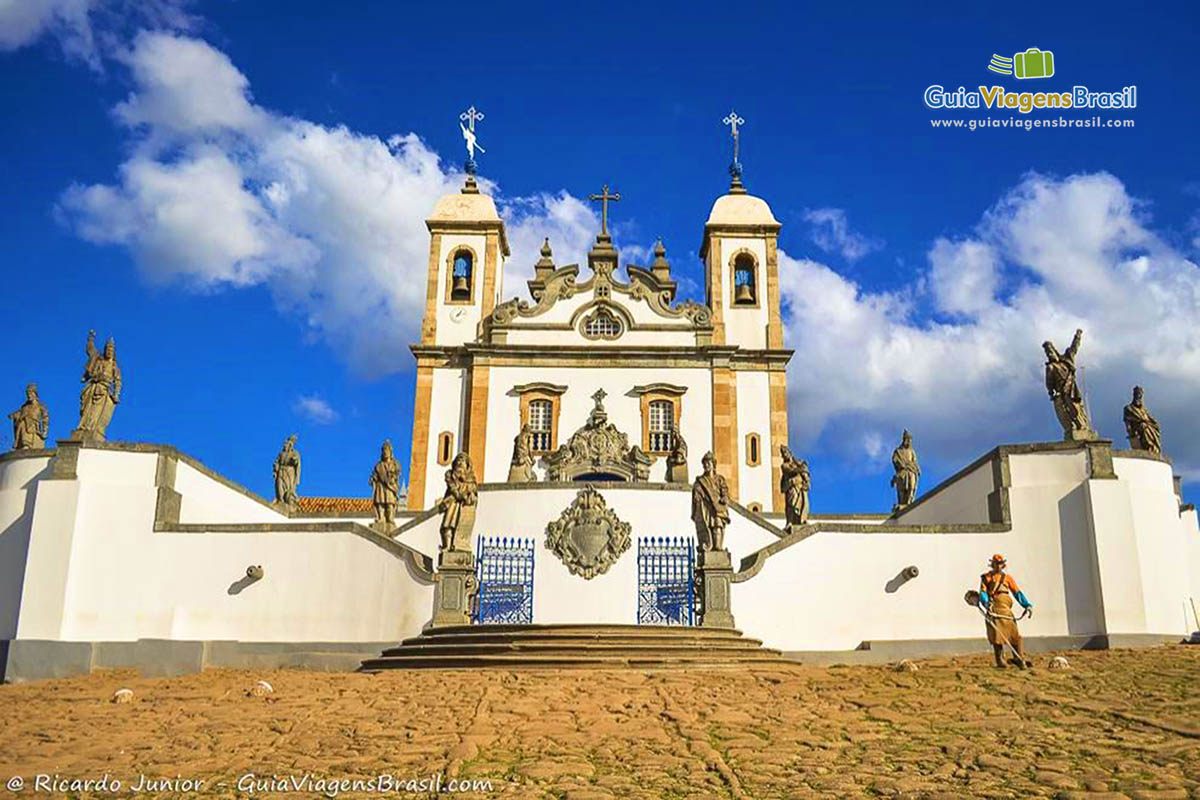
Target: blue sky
<point>211,184</point>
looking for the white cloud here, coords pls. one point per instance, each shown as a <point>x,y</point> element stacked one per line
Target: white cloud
<point>831,232</point>
<point>1073,252</point>
<point>219,191</point>
<point>83,27</point>
<point>314,409</point>
<point>964,275</point>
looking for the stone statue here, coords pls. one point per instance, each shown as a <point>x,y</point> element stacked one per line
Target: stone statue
<point>1064,391</point>
<point>710,505</point>
<point>385,487</point>
<point>1140,426</point>
<point>462,493</point>
<point>287,473</point>
<point>794,482</point>
<point>30,422</point>
<point>677,469</point>
<point>521,468</point>
<point>908,472</point>
<point>101,391</point>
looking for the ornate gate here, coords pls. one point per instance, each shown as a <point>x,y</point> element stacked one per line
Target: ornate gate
<point>666,586</point>
<point>504,577</point>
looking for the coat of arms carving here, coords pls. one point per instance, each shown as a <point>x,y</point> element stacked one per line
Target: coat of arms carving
<point>588,537</point>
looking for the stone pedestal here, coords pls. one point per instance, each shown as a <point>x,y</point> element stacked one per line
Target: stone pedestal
<point>454,589</point>
<point>677,473</point>
<point>715,571</point>
<point>1076,435</point>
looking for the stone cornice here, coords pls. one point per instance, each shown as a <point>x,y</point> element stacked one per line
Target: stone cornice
<point>470,226</point>
<point>606,355</point>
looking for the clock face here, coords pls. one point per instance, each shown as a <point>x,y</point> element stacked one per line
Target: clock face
<point>458,314</point>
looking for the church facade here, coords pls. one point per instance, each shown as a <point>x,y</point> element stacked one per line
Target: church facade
<point>713,373</point>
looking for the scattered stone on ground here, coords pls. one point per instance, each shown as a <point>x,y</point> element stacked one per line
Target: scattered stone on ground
<point>1118,724</point>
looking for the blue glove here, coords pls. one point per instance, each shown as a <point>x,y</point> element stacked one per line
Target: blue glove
<point>984,600</point>
<point>1023,600</point>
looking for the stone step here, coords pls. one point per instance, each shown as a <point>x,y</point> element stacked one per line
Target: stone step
<point>573,645</point>
<point>621,649</point>
<point>522,661</point>
<point>576,639</point>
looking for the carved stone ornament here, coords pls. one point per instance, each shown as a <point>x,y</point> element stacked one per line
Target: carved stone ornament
<point>588,537</point>
<point>599,451</point>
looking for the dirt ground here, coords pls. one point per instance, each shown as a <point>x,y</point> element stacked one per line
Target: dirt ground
<point>1117,724</point>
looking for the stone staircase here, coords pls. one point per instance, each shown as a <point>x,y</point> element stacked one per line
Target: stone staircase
<point>573,646</point>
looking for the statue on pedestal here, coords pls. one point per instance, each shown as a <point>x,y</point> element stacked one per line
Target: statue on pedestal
<point>908,472</point>
<point>1142,428</point>
<point>1064,391</point>
<point>521,468</point>
<point>794,482</point>
<point>385,488</point>
<point>101,391</point>
<point>287,473</point>
<point>710,505</point>
<point>457,504</point>
<point>677,469</point>
<point>30,422</point>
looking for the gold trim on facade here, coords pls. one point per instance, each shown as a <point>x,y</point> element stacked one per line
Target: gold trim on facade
<point>777,388</point>
<point>665,393</point>
<point>530,392</point>
<point>420,436</point>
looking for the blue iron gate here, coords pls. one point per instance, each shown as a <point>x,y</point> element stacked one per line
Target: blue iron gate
<point>666,588</point>
<point>504,576</point>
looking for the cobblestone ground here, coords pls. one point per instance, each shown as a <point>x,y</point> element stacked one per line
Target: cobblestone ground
<point>1117,724</point>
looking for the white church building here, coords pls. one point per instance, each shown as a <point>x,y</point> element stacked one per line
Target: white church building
<point>116,554</point>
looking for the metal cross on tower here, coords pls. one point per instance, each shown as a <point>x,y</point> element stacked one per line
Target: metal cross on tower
<point>733,120</point>
<point>471,116</point>
<point>604,197</point>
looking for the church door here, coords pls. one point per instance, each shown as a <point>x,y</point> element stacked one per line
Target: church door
<point>666,580</point>
<point>504,581</point>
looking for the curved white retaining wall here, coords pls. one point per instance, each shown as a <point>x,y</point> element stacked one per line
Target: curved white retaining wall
<point>80,559</point>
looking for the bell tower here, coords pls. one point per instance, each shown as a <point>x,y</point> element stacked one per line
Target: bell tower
<point>467,250</point>
<point>740,250</point>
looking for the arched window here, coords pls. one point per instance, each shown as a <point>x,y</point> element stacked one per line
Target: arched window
<point>461,276</point>
<point>753,450</point>
<point>662,426</point>
<point>541,424</point>
<point>445,451</point>
<point>602,325</point>
<point>745,281</point>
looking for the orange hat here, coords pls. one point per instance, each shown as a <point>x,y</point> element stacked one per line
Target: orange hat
<point>997,559</point>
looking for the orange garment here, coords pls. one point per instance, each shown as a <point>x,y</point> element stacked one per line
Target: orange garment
<point>994,582</point>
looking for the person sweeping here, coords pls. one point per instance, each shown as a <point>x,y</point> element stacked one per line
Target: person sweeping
<point>997,590</point>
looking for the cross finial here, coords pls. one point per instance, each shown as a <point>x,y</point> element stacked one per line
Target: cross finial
<point>470,116</point>
<point>735,167</point>
<point>599,397</point>
<point>604,197</point>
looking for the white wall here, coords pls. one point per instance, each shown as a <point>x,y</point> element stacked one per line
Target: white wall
<point>97,571</point>
<point>18,478</point>
<point>445,414</point>
<point>1096,556</point>
<point>964,501</point>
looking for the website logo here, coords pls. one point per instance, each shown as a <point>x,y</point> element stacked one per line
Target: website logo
<point>1033,63</point>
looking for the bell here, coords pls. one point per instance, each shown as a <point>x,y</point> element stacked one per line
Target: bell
<point>744,294</point>
<point>460,285</point>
